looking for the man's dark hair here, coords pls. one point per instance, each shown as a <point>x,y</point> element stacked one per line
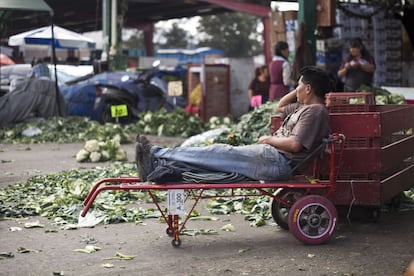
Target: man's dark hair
<point>318,79</point>
<point>280,46</point>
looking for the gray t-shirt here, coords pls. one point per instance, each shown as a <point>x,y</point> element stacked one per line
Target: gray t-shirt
<point>308,123</point>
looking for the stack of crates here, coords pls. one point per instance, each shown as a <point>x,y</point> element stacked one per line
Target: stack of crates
<point>350,102</point>
<point>376,162</point>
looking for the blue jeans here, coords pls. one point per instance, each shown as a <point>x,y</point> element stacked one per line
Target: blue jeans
<point>257,161</point>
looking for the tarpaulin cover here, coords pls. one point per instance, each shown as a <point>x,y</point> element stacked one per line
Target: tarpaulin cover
<point>31,98</point>
<point>63,38</point>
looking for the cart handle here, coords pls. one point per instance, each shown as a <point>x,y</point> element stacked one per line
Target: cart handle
<point>334,137</point>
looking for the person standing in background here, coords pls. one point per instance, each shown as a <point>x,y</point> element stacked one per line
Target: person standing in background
<point>358,68</point>
<point>259,87</point>
<point>39,69</point>
<point>280,72</point>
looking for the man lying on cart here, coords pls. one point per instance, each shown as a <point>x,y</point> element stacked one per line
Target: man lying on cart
<point>305,125</point>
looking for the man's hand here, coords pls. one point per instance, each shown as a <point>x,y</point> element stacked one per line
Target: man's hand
<point>264,139</point>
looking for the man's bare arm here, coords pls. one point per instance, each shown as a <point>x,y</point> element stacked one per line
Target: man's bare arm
<point>286,99</point>
<point>290,144</point>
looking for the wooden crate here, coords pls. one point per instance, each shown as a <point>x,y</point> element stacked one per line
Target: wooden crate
<point>215,83</point>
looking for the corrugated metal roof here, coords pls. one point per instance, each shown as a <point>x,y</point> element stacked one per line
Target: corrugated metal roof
<point>86,15</point>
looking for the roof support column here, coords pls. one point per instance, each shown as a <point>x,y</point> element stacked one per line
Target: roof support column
<point>106,34</point>
<point>148,37</point>
<point>114,25</point>
<point>307,14</point>
<point>267,50</point>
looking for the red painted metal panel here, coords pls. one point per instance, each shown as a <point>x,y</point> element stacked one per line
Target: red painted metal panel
<point>357,192</point>
<point>361,161</point>
<point>362,124</point>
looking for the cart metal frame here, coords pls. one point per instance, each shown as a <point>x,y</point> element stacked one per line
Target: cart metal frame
<point>314,209</point>
<point>372,166</point>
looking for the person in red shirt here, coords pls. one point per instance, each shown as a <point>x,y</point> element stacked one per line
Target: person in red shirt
<point>280,72</point>
<point>259,87</point>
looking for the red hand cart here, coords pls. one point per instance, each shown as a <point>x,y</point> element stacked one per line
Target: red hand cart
<point>368,168</point>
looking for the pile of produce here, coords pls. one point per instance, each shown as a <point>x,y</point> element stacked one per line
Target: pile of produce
<point>62,130</point>
<point>100,151</point>
<point>383,96</point>
<point>59,196</point>
<point>79,129</point>
<point>162,123</point>
<point>250,127</point>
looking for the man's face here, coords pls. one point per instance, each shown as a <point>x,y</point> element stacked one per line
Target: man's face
<point>301,89</point>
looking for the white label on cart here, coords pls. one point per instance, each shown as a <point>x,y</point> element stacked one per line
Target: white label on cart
<point>175,201</point>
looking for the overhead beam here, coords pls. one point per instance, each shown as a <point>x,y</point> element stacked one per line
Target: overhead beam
<point>170,11</point>
<point>253,9</point>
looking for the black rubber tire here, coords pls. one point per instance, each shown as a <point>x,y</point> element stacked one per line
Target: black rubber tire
<point>279,210</point>
<point>176,243</point>
<point>170,232</point>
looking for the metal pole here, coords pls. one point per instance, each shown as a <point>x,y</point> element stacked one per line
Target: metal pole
<point>54,65</point>
<point>307,14</point>
<point>114,23</point>
<point>106,11</point>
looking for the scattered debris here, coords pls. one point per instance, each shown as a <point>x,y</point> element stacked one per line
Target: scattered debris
<point>120,256</point>
<point>88,249</point>
<point>228,227</point>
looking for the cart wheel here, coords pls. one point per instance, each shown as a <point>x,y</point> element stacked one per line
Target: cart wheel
<point>279,210</point>
<point>176,243</point>
<point>376,214</point>
<point>312,219</point>
<point>397,200</point>
<point>169,231</point>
